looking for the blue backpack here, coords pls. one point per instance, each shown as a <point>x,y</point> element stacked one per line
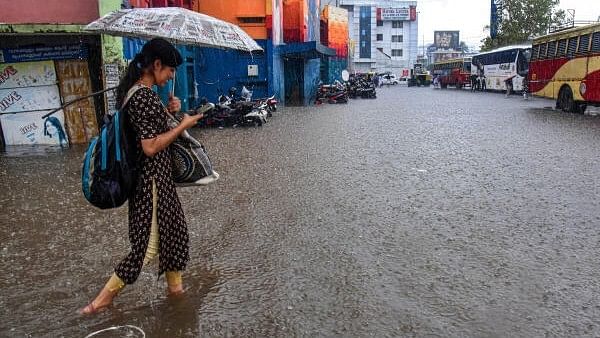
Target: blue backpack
<point>109,172</point>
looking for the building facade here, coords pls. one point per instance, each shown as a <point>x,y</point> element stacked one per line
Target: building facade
<point>45,61</point>
<point>383,33</point>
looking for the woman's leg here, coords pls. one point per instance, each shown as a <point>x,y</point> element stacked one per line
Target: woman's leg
<point>153,242</point>
<point>106,295</point>
<point>174,282</point>
<point>116,284</point>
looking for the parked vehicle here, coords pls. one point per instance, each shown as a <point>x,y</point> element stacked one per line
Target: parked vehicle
<point>454,72</point>
<point>359,85</point>
<point>494,67</point>
<point>231,110</point>
<point>419,76</point>
<point>564,66</point>
<point>389,79</point>
<point>332,93</point>
<point>271,104</point>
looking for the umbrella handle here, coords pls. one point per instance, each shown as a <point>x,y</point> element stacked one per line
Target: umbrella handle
<point>173,87</point>
<point>77,100</point>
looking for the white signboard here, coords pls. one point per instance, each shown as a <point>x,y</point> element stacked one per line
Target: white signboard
<point>16,100</point>
<point>402,13</point>
<point>27,74</point>
<point>27,128</point>
<point>111,79</point>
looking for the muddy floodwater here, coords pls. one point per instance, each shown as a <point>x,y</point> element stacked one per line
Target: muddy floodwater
<point>422,213</point>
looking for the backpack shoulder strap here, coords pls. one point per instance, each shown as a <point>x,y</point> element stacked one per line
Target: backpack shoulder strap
<point>130,93</point>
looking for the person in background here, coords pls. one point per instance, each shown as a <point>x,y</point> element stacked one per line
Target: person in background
<point>157,225</point>
<point>508,83</point>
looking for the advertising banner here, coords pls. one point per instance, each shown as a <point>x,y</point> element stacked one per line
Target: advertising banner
<point>63,52</point>
<point>27,74</point>
<point>16,100</point>
<point>28,128</point>
<point>446,39</point>
<point>401,13</point>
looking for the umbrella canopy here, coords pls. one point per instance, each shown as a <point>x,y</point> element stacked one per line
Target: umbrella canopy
<point>179,25</point>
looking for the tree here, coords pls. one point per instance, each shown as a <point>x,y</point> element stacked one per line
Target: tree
<point>524,19</point>
<point>463,47</point>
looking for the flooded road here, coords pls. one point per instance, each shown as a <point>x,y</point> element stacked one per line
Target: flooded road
<point>423,213</point>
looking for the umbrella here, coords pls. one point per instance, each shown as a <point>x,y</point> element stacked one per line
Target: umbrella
<point>179,25</point>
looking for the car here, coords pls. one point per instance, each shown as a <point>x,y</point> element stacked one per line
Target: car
<point>403,81</point>
<point>389,79</point>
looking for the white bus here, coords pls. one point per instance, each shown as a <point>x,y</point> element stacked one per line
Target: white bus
<point>500,64</point>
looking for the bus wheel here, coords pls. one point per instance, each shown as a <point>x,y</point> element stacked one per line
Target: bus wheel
<point>582,107</point>
<point>565,100</point>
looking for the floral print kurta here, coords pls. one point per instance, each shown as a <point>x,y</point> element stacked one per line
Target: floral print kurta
<point>146,115</point>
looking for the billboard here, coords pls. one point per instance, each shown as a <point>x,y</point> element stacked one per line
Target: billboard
<point>398,13</point>
<point>446,39</point>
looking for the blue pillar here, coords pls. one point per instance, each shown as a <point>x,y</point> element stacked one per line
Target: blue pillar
<point>312,76</point>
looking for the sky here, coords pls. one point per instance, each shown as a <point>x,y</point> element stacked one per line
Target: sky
<point>470,16</point>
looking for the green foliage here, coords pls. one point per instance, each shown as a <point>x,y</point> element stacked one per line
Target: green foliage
<point>522,20</point>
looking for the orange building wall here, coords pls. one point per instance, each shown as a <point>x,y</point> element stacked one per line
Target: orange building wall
<point>233,10</point>
<point>335,34</point>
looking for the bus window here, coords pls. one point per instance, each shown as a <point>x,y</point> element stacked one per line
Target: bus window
<point>523,64</point>
<point>572,46</point>
<point>584,43</point>
<point>542,54</point>
<point>562,47</point>
<point>596,42</point>
<point>551,49</point>
<point>467,66</point>
<point>536,52</point>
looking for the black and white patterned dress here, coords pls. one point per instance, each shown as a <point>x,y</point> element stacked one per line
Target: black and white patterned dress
<point>146,115</point>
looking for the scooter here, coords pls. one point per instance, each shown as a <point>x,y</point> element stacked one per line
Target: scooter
<point>332,93</point>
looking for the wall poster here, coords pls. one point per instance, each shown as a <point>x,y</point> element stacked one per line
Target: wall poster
<point>80,117</point>
<point>28,128</point>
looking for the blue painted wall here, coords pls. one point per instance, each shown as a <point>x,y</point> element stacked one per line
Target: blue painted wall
<point>214,71</point>
<point>276,73</point>
<point>183,77</point>
<point>331,68</point>
<point>217,70</point>
<point>312,77</point>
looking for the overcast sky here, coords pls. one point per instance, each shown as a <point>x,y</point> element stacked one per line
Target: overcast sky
<point>470,16</point>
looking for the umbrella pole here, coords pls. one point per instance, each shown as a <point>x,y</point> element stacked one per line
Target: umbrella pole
<point>77,100</point>
<point>173,87</point>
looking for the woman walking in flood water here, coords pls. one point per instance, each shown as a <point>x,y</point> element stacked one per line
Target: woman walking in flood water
<point>157,224</point>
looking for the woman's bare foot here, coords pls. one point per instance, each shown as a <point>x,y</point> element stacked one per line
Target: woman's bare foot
<point>175,290</point>
<point>102,301</point>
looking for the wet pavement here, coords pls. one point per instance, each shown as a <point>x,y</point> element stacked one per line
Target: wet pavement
<point>423,213</point>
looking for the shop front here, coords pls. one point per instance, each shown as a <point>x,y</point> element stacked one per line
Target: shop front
<point>41,73</point>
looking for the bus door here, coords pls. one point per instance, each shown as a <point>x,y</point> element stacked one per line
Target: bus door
<point>522,65</point>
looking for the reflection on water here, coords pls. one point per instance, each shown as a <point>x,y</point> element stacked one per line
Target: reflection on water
<point>32,150</point>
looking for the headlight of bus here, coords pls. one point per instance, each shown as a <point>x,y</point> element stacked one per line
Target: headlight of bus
<point>582,88</point>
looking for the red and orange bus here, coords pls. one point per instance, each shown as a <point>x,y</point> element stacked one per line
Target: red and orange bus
<point>565,66</point>
<point>453,72</point>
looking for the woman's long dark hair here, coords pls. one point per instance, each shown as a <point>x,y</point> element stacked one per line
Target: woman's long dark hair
<point>155,49</point>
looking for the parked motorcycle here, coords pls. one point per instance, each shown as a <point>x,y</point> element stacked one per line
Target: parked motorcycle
<point>332,93</point>
<point>361,87</point>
